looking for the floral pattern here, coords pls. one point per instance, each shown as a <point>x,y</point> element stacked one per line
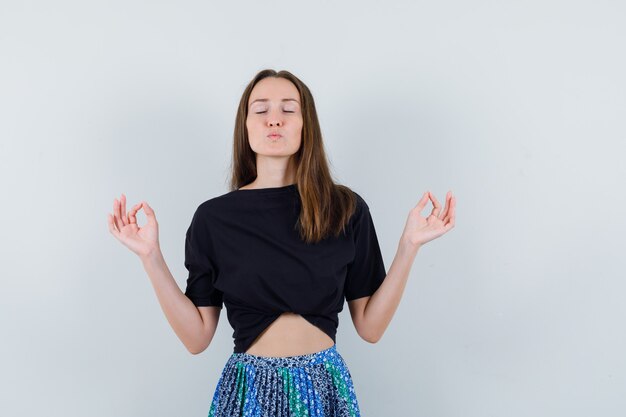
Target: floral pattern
<point>313,385</point>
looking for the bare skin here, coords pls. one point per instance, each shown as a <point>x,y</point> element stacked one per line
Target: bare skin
<point>290,334</point>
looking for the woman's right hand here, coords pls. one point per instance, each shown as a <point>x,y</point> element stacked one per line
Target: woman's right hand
<point>141,240</point>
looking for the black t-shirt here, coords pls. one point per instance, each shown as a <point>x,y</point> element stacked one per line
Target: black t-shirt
<point>243,250</point>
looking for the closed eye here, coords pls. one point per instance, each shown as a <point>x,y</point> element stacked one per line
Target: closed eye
<point>259,112</point>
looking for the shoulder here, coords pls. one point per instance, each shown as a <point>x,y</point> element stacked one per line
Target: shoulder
<point>344,192</point>
<point>360,201</point>
<point>361,210</point>
<point>213,206</point>
<point>361,204</point>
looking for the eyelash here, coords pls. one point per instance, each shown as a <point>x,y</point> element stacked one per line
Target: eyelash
<point>259,112</point>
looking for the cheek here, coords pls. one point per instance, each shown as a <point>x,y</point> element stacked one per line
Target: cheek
<point>297,127</point>
<point>252,126</point>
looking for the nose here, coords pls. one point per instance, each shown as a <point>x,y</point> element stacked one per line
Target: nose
<point>274,118</point>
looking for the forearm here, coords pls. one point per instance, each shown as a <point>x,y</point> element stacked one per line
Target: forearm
<point>182,315</point>
<point>383,304</point>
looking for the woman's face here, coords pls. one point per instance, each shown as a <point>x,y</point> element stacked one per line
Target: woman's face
<point>274,107</point>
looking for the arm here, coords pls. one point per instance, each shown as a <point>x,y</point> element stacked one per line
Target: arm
<point>371,315</point>
<point>194,326</point>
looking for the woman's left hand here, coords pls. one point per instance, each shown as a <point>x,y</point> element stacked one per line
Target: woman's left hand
<point>419,230</point>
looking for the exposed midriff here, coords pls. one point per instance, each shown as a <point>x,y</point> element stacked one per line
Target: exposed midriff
<point>290,335</point>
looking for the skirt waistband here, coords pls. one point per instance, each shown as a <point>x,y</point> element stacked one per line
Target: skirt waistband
<point>330,355</point>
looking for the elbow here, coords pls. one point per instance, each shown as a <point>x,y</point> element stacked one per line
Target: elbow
<point>196,350</point>
<point>201,346</point>
<point>371,337</point>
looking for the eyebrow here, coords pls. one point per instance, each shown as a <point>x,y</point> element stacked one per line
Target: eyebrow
<point>266,99</point>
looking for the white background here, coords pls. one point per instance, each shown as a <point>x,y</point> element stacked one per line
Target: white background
<point>517,107</point>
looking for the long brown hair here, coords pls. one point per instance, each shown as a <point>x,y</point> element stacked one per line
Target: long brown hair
<point>326,206</point>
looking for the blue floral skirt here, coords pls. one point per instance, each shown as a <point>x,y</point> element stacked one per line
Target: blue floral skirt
<point>314,385</point>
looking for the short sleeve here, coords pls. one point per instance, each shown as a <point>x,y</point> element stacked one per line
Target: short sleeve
<point>201,266</point>
<point>367,271</point>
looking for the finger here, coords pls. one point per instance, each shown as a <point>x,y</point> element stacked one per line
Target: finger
<point>149,213</point>
<point>436,205</point>
<point>123,211</point>
<point>119,215</point>
<point>112,227</point>
<point>446,209</point>
<point>450,214</point>
<point>452,203</point>
<point>116,215</point>
<point>450,223</point>
<point>422,203</point>
<point>124,214</point>
<point>132,218</point>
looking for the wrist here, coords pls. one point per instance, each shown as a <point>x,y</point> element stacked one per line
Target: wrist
<point>407,245</point>
<point>153,255</point>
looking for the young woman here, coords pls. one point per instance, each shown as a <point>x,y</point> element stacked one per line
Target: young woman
<point>281,250</point>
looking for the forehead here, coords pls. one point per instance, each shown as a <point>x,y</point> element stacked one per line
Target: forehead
<point>274,89</point>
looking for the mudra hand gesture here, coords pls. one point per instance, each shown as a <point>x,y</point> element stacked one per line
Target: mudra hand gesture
<point>141,240</point>
<point>419,230</point>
